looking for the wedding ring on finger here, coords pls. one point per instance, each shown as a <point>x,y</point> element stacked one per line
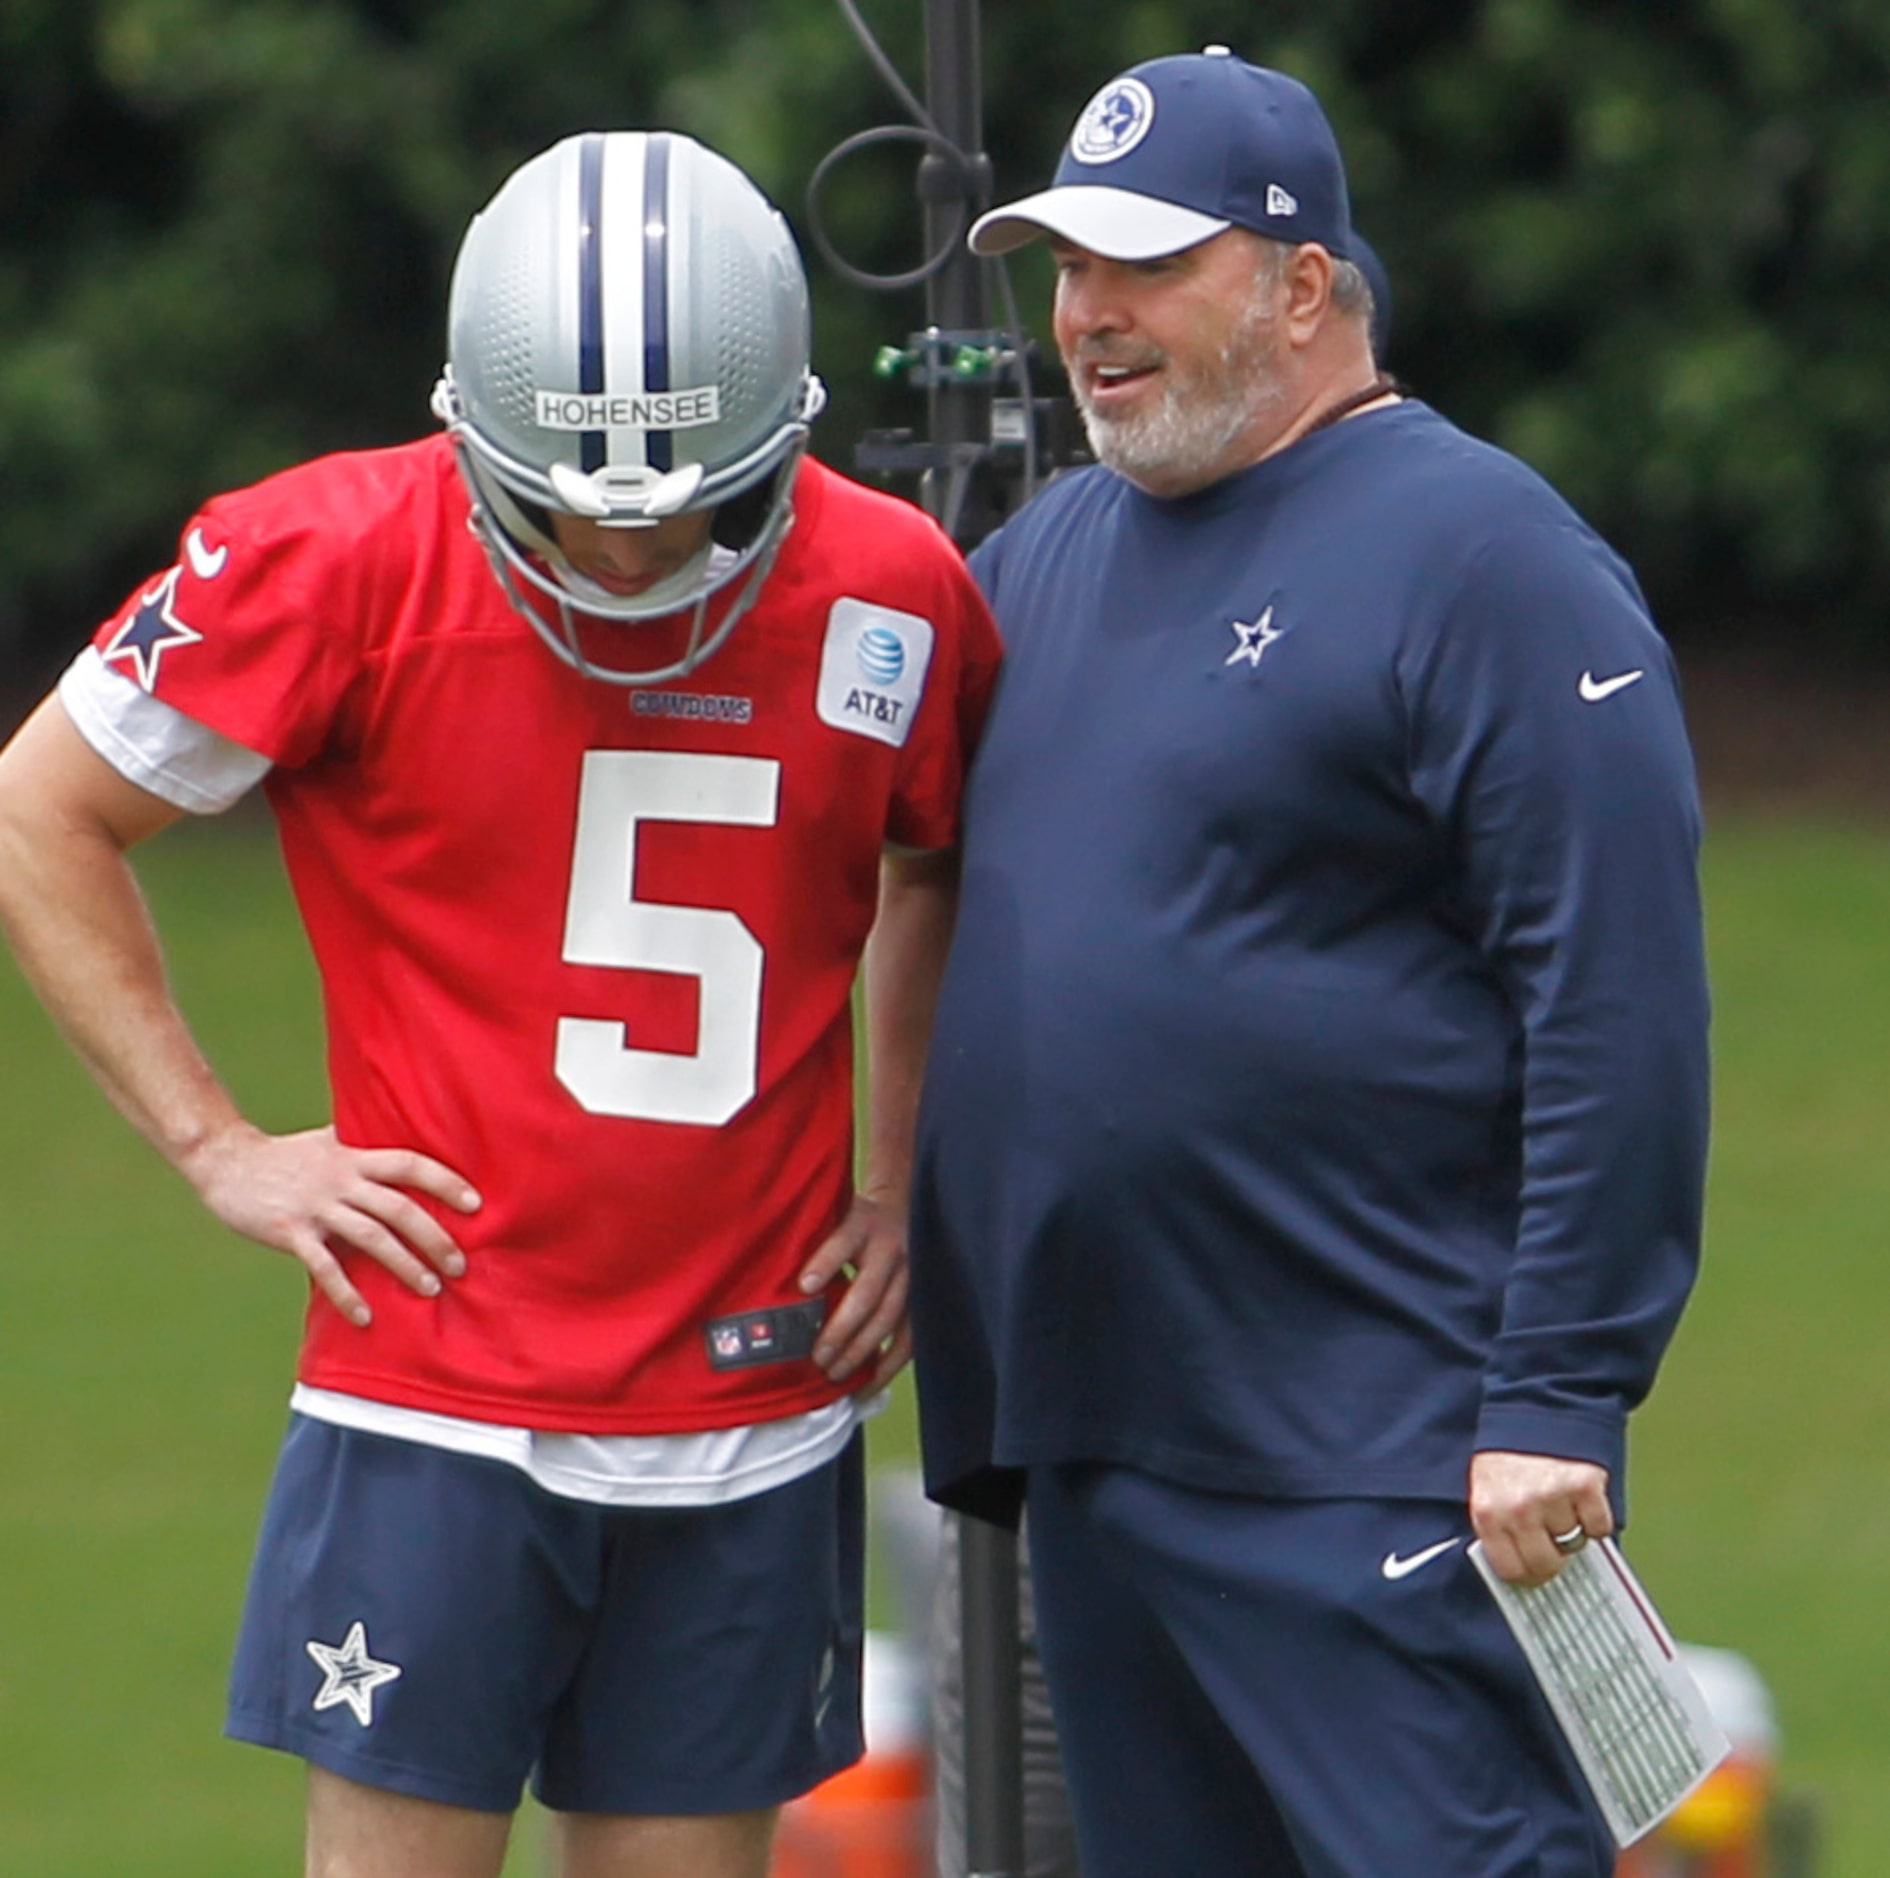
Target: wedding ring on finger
<point>1571,1541</point>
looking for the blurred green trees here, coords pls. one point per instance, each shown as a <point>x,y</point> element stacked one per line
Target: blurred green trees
<point>1639,245</point>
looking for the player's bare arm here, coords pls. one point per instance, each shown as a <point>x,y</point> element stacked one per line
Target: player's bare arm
<point>1521,1504</point>
<point>84,939</point>
<point>905,959</point>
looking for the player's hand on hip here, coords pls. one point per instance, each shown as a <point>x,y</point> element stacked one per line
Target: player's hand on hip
<point>869,1322</point>
<point>1534,1511</point>
<point>312,1197</point>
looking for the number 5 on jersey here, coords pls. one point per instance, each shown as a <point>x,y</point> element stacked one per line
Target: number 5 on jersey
<point>605,924</point>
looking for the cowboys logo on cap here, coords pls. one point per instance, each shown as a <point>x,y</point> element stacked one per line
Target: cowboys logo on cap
<point>1113,122</point>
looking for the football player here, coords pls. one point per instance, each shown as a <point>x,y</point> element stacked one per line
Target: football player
<point>600,730</point>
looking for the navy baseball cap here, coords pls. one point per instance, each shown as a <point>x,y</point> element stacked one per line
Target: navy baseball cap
<point>1178,149</point>
<point>1366,259</point>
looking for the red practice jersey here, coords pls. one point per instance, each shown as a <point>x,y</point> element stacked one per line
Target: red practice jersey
<point>591,946</point>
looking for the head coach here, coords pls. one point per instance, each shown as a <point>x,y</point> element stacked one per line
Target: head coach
<point>1313,1138</point>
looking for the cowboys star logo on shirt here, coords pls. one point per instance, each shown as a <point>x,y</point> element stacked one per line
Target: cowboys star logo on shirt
<point>1252,638</point>
<point>1113,122</point>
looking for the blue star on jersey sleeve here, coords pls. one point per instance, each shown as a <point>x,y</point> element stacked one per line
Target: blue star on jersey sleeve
<point>153,629</point>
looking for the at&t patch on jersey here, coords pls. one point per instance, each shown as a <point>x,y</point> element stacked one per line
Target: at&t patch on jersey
<point>872,669</point>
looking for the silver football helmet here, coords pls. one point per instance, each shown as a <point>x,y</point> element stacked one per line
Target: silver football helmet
<point>628,340</point>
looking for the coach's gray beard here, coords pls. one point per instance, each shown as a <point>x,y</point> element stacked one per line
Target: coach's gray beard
<point>1180,443</point>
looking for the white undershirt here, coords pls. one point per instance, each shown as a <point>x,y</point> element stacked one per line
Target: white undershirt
<point>620,1470</point>
<point>197,769</point>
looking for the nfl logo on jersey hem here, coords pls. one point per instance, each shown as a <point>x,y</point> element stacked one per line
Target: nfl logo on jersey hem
<point>785,1334</point>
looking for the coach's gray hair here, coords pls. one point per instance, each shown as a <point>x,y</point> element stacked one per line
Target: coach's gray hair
<point>1351,291</point>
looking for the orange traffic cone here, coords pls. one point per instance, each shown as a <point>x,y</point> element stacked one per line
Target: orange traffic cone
<point>1720,1829</point>
<point>875,1819</point>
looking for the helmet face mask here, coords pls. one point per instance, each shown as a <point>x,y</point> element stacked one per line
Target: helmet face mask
<point>627,341</point>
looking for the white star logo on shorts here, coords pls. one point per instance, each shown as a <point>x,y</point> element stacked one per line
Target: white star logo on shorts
<point>350,1674</point>
<point>1254,639</point>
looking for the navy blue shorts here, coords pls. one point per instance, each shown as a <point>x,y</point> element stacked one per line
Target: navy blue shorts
<point>439,1625</point>
<point>1292,1689</point>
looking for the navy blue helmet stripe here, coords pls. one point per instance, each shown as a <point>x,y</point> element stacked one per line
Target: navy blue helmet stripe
<point>656,289</point>
<point>592,444</point>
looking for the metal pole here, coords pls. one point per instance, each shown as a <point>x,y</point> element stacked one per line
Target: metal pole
<point>994,1721</point>
<point>955,302</point>
<point>952,189</point>
<point>955,294</point>
<point>950,195</point>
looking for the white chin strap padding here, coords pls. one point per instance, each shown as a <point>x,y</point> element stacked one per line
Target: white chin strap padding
<point>603,495</point>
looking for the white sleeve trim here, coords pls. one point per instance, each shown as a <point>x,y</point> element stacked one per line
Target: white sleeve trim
<point>153,744</point>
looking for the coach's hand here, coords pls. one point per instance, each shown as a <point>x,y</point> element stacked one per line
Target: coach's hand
<point>1520,1504</point>
<point>307,1194</point>
<point>870,1320</point>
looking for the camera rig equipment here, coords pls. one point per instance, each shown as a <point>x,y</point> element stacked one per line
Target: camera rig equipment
<point>989,438</point>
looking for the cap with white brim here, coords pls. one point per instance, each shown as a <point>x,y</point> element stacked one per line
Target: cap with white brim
<point>1179,149</point>
<point>1114,223</point>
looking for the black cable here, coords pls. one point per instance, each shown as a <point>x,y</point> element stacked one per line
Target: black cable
<point>922,130</point>
<point>817,228</point>
<point>886,68</point>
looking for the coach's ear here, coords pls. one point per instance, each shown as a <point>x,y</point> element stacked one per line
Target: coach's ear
<point>1307,277</point>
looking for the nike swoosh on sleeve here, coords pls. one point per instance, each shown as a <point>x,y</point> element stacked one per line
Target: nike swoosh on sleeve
<point>1594,689</point>
<point>205,562</point>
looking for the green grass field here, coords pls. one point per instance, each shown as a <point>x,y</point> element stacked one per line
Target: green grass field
<point>145,1360</point>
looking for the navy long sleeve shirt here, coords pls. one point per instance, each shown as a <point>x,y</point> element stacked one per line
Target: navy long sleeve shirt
<point>1318,1091</point>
